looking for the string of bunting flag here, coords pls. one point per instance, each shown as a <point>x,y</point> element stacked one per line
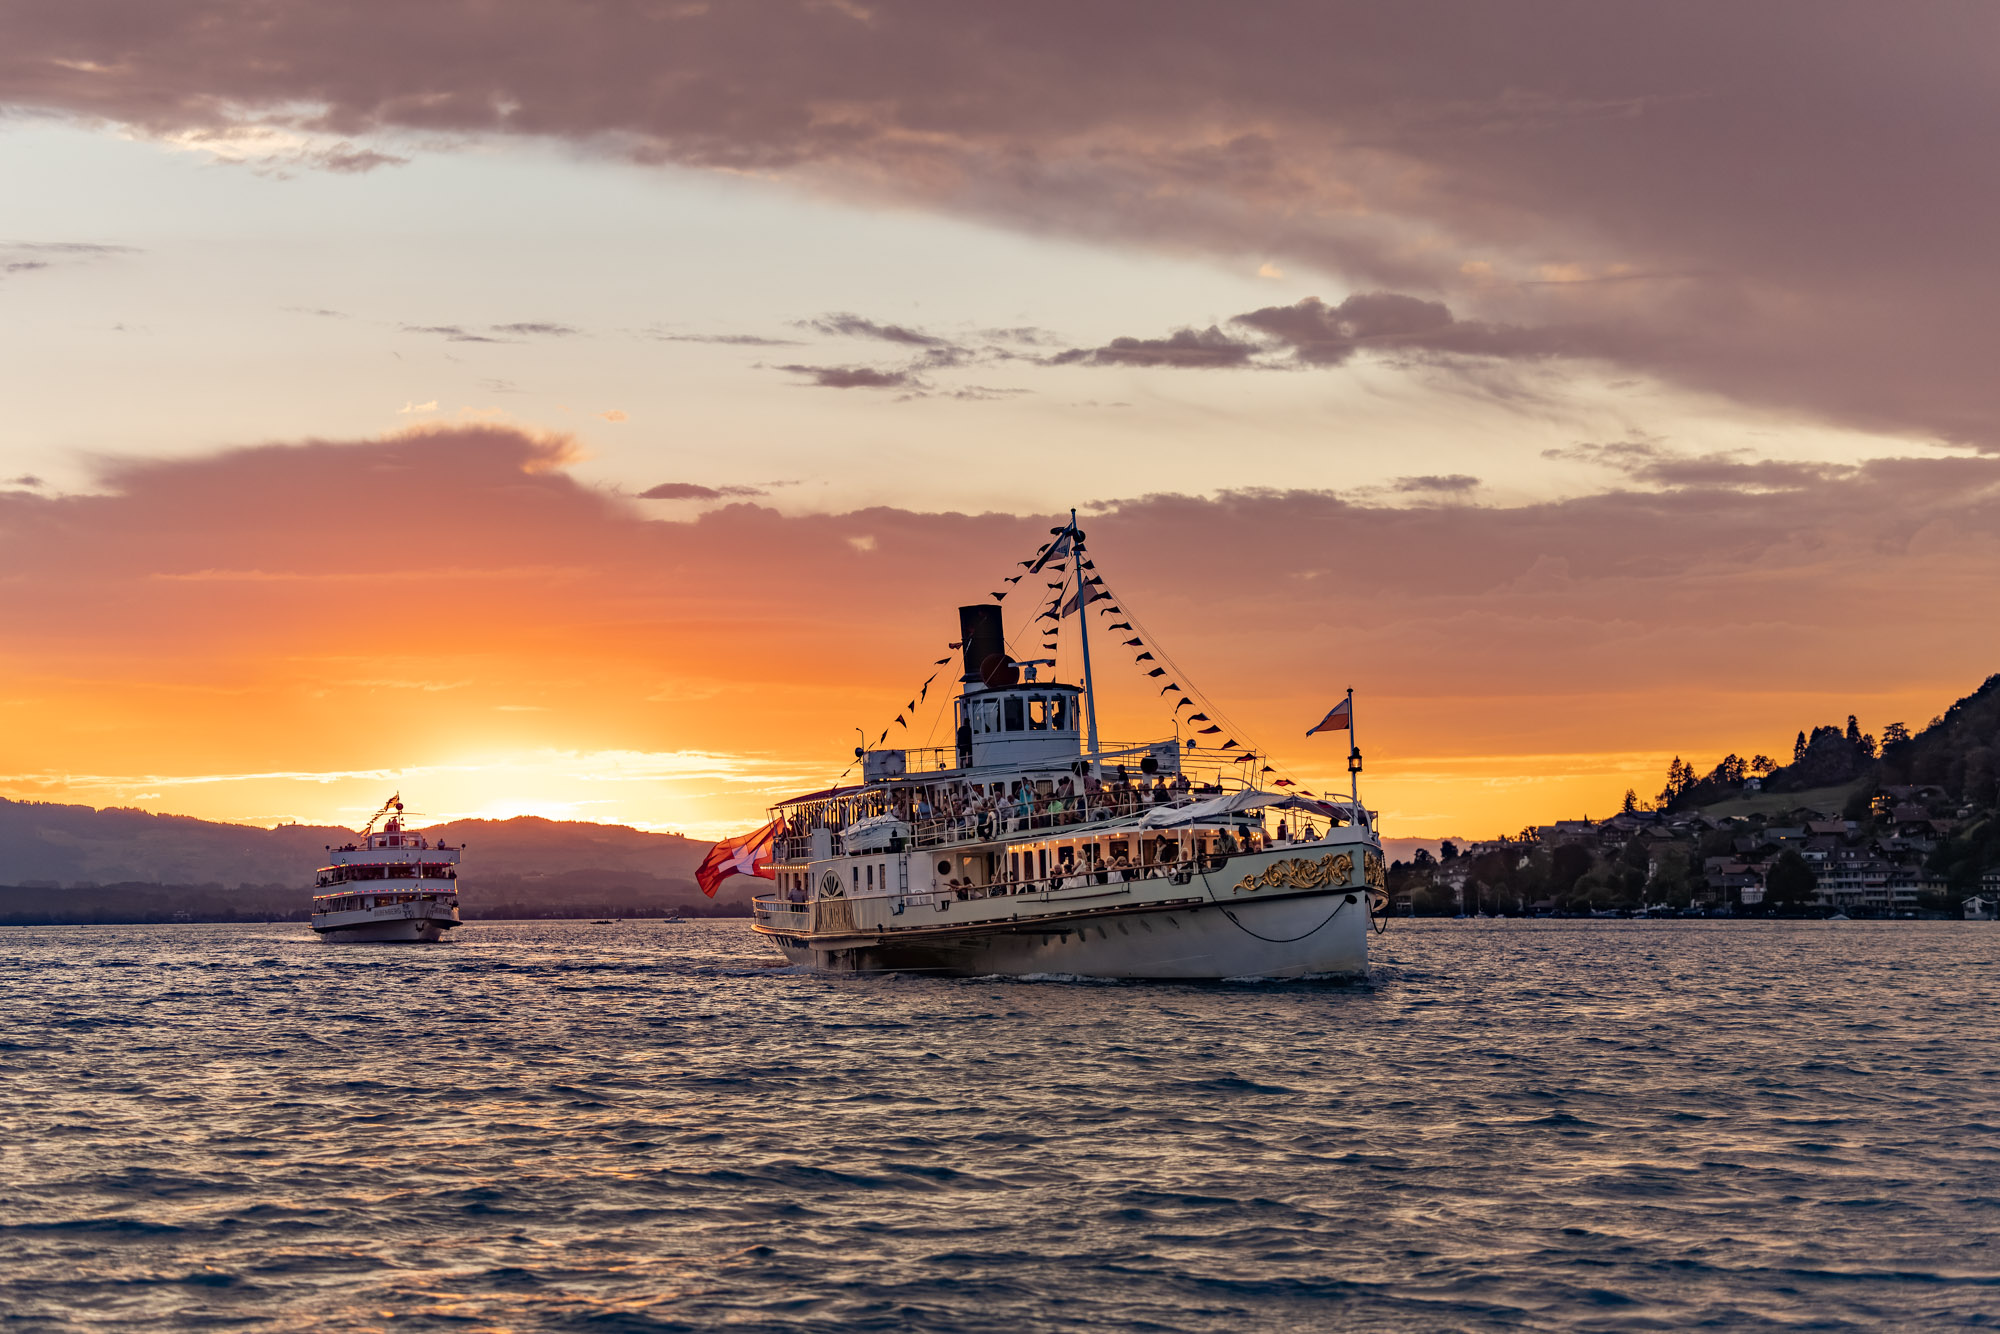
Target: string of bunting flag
<point>1190,696</point>
<point>1075,591</point>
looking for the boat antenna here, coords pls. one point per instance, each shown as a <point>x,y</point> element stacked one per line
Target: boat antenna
<point>1083,628</point>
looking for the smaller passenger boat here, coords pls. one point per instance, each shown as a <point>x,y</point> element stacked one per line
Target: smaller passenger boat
<point>392,887</point>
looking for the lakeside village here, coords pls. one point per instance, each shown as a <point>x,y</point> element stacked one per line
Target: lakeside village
<point>1907,829</point>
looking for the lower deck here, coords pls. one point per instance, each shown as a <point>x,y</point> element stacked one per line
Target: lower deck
<point>1049,924</point>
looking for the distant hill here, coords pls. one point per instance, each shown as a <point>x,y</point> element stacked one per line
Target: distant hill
<point>75,863</point>
<point>1957,752</point>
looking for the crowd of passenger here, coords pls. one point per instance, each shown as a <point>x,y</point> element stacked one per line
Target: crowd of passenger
<point>962,810</point>
<point>957,810</point>
<point>1169,859</point>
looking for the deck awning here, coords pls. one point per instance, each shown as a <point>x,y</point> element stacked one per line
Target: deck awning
<point>1234,803</point>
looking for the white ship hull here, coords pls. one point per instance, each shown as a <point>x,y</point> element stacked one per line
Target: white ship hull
<point>401,923</point>
<point>1203,930</point>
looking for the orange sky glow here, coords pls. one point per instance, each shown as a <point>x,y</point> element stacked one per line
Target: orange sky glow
<point>503,639</point>
<point>600,414</point>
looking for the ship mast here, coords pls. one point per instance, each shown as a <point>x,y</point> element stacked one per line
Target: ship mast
<point>1083,628</point>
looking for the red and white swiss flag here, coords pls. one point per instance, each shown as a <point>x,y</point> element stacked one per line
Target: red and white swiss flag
<point>746,854</point>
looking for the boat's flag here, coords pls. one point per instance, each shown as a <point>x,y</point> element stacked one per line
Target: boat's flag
<point>1144,657</point>
<point>746,854</point>
<point>1341,719</point>
<point>1209,731</point>
<point>1081,598</point>
<point>1135,643</point>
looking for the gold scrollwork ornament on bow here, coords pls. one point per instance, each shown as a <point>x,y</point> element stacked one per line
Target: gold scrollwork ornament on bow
<point>1336,868</point>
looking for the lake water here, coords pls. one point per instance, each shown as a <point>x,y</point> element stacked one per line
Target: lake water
<point>641,1126</point>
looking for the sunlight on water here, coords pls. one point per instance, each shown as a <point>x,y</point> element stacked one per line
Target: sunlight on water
<point>651,1126</point>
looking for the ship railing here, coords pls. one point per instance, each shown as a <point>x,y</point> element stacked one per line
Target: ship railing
<point>781,911</point>
<point>1071,820</point>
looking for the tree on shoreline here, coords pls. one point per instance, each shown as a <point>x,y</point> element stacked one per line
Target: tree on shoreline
<point>1789,886</point>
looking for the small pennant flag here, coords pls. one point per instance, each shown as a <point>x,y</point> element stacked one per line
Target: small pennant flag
<point>1054,551</point>
<point>900,722</point>
<point>1197,717</point>
<point>1341,719</point>
<point>940,662</point>
<point>1078,599</point>
<point>1143,657</point>
<point>746,854</point>
<point>1227,744</point>
<point>1119,625</point>
<point>1185,703</point>
<point>911,706</point>
<point>1281,782</point>
<point>1169,686</point>
<point>1157,671</point>
<point>999,597</point>
<point>1014,578</point>
<point>1135,643</point>
<point>1210,729</point>
<point>927,687</point>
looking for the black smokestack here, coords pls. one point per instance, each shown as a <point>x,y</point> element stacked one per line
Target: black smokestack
<point>984,634</point>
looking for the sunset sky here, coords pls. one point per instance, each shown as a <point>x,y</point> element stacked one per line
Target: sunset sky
<point>599,411</point>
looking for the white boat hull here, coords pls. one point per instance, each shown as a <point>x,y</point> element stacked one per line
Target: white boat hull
<point>1322,934</point>
<point>386,926</point>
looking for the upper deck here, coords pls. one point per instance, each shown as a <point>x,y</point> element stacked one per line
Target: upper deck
<point>395,853</point>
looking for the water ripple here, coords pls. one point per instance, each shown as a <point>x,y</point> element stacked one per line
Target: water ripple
<point>1549,1126</point>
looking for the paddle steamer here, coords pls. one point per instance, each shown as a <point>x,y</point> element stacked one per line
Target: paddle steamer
<point>1027,847</point>
<point>392,887</point>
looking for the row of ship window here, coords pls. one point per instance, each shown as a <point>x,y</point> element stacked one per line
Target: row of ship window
<point>1019,713</point>
<point>350,902</point>
<point>1048,863</point>
<point>340,875</point>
